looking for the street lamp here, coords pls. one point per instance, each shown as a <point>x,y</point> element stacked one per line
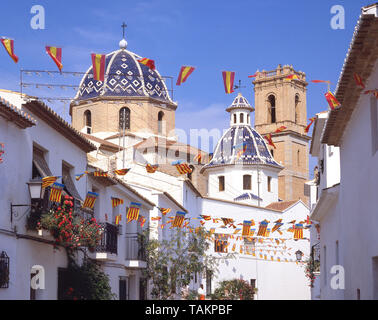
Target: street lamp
<point>36,193</point>
<point>299,255</point>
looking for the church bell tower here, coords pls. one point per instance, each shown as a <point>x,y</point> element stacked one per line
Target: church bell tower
<point>280,100</point>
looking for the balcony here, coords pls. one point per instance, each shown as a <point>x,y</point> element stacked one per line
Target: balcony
<point>108,246</point>
<point>135,252</point>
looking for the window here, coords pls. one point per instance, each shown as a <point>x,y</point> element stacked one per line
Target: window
<point>124,288</point>
<point>298,158</point>
<point>124,118</point>
<point>358,294</point>
<point>269,184</point>
<point>272,152</point>
<point>234,118</point>
<point>221,183</point>
<point>220,243</point>
<point>374,124</point>
<point>247,182</point>
<point>88,120</point>
<point>272,108</point>
<point>242,118</point>
<point>160,122</point>
<point>297,116</point>
<point>69,186</point>
<point>40,166</point>
<point>247,118</point>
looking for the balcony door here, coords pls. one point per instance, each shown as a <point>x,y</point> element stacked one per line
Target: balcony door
<point>124,288</point>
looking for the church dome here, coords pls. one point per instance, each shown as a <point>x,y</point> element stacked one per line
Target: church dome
<point>236,138</point>
<point>124,77</point>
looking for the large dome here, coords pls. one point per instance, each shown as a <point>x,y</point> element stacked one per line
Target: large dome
<point>124,77</point>
<point>256,151</point>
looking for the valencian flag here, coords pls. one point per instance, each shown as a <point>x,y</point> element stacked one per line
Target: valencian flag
<point>56,192</point>
<point>100,174</point>
<point>80,175</point>
<point>164,211</point>
<point>240,149</point>
<point>116,202</point>
<point>359,81</point>
<point>310,124</point>
<point>246,227</point>
<point>291,77</point>
<point>332,101</point>
<point>228,80</point>
<point>185,72</point>
<point>147,62</point>
<point>90,200</point>
<point>133,212</point>
<point>48,181</point>
<point>268,138</point>
<point>151,168</point>
<point>56,54</point>
<point>179,219</point>
<point>183,168</point>
<point>98,63</point>
<point>121,172</point>
<point>298,231</point>
<point>9,46</point>
<point>263,228</point>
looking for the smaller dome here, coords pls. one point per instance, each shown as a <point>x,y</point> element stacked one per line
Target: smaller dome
<point>240,103</point>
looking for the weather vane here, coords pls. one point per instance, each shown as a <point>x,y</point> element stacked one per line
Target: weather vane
<point>239,86</point>
<point>123,26</point>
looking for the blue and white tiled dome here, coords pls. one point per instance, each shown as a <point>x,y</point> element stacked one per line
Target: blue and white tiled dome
<point>124,77</point>
<point>256,151</point>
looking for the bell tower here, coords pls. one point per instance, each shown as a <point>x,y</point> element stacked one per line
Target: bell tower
<point>280,100</point>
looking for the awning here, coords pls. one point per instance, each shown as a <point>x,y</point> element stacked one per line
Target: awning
<point>40,163</point>
<point>70,186</point>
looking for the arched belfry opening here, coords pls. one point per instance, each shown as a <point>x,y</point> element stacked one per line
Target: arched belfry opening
<point>124,118</point>
<point>272,108</point>
<point>297,109</point>
<point>160,122</point>
<point>88,121</point>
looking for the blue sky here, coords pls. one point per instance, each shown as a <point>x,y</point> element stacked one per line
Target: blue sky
<point>240,36</point>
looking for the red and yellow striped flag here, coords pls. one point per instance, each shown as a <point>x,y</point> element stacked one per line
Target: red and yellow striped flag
<point>9,47</point>
<point>185,72</point>
<point>332,101</point>
<point>151,168</point>
<point>291,77</point>
<point>359,81</point>
<point>56,192</point>
<point>98,63</point>
<point>280,129</point>
<point>197,158</point>
<point>246,228</point>
<point>306,130</point>
<point>147,62</point>
<point>374,92</point>
<point>142,221</point>
<point>90,200</point>
<point>48,181</point>
<point>56,54</point>
<point>263,228</point>
<point>118,219</point>
<point>164,211</point>
<point>321,81</point>
<point>133,212</point>
<point>179,219</point>
<point>100,174</point>
<point>268,138</point>
<point>116,202</point>
<point>298,231</point>
<point>80,175</point>
<point>121,172</point>
<point>183,168</point>
<point>228,80</point>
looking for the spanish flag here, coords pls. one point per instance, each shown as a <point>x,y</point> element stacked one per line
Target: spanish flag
<point>56,192</point>
<point>56,54</point>
<point>9,46</point>
<point>98,63</point>
<point>185,72</point>
<point>121,172</point>
<point>90,200</point>
<point>332,101</point>
<point>147,62</point>
<point>310,124</point>
<point>268,138</point>
<point>116,202</point>
<point>48,181</point>
<point>228,80</point>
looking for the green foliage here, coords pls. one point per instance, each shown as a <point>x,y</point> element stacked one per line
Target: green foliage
<point>312,266</point>
<point>235,289</point>
<point>171,264</point>
<point>87,282</point>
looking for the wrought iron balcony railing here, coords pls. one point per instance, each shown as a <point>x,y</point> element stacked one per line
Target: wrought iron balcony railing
<point>109,238</point>
<point>134,247</point>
